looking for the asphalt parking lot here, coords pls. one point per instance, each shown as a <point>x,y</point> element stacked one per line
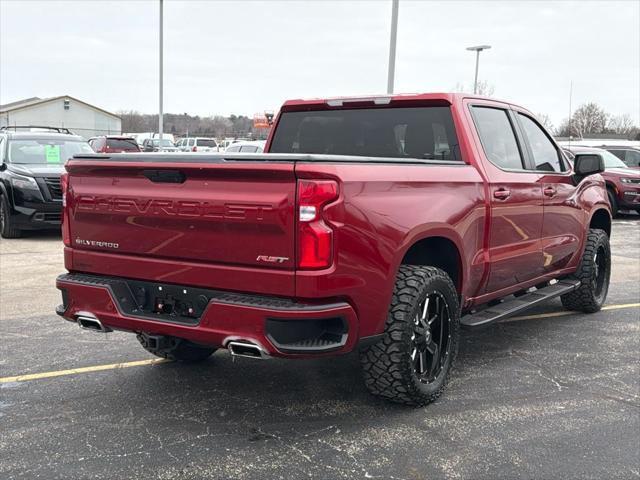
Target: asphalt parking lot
<point>550,395</point>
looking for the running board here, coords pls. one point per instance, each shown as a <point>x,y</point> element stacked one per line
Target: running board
<point>518,304</point>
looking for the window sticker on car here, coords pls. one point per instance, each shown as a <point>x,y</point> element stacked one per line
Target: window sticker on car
<point>52,152</point>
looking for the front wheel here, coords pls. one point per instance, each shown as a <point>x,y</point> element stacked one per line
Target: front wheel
<point>412,362</point>
<point>7,230</point>
<point>594,273</point>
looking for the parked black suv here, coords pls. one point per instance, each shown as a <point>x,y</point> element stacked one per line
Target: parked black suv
<point>31,162</point>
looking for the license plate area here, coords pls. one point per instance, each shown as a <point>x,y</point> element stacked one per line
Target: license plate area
<point>169,302</point>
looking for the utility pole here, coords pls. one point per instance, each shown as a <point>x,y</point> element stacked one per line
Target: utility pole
<point>392,45</point>
<point>570,112</point>
<point>161,71</point>
<point>477,49</point>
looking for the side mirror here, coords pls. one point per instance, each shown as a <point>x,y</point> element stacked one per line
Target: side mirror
<point>585,164</point>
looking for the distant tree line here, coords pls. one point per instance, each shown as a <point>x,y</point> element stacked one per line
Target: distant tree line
<point>184,124</point>
<point>590,118</point>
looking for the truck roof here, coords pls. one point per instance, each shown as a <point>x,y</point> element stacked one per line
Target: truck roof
<point>383,99</point>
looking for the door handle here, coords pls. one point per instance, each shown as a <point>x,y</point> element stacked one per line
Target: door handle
<point>549,191</point>
<point>501,194</point>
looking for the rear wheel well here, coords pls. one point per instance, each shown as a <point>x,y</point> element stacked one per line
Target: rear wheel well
<point>600,219</point>
<point>437,252</point>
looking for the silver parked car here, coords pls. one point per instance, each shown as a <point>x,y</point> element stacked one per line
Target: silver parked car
<point>256,146</point>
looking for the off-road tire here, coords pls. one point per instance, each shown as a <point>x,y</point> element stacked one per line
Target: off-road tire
<point>6,229</point>
<point>388,368</point>
<point>613,202</point>
<point>179,350</point>
<point>588,297</point>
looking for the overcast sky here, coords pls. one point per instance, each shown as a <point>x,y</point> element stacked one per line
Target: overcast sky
<point>247,56</point>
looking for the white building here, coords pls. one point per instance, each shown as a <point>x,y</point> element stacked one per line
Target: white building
<point>65,111</point>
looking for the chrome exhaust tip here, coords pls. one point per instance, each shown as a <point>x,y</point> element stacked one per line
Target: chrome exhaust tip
<point>88,321</point>
<point>246,349</point>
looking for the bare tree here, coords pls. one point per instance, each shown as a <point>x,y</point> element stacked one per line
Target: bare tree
<point>132,121</point>
<point>589,118</point>
<point>545,120</point>
<point>484,88</point>
<point>563,129</point>
<point>621,124</point>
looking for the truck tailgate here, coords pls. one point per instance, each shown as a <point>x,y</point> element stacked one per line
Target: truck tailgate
<point>233,214</point>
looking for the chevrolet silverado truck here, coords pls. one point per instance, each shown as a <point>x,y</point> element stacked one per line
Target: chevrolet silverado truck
<point>381,224</point>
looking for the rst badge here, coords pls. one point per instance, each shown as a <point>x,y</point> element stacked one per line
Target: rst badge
<point>270,259</point>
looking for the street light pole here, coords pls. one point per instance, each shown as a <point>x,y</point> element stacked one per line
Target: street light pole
<point>392,45</point>
<point>160,112</point>
<point>477,49</point>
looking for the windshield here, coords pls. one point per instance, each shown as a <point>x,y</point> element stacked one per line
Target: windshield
<point>165,143</point>
<point>45,150</point>
<point>417,132</point>
<point>611,161</point>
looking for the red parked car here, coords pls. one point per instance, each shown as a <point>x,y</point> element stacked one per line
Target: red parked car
<point>114,144</point>
<point>623,182</point>
<point>381,224</point>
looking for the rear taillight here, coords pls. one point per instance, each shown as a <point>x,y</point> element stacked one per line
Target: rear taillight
<point>315,237</point>
<point>66,230</point>
<point>194,149</point>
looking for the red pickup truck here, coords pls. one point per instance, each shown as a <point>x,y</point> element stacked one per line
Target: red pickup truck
<point>382,224</point>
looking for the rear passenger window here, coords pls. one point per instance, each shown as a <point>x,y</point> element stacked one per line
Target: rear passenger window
<point>545,155</point>
<point>192,142</point>
<point>497,137</point>
<point>248,149</point>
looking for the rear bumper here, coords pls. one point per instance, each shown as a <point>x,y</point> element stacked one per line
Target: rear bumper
<point>282,327</point>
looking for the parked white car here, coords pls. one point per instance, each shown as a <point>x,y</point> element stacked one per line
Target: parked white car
<point>197,144</point>
<point>256,146</point>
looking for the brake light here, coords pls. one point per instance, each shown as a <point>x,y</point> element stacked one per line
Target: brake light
<point>66,230</point>
<point>194,149</point>
<point>315,237</point>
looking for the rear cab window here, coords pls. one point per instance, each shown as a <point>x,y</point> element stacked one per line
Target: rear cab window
<point>425,133</point>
